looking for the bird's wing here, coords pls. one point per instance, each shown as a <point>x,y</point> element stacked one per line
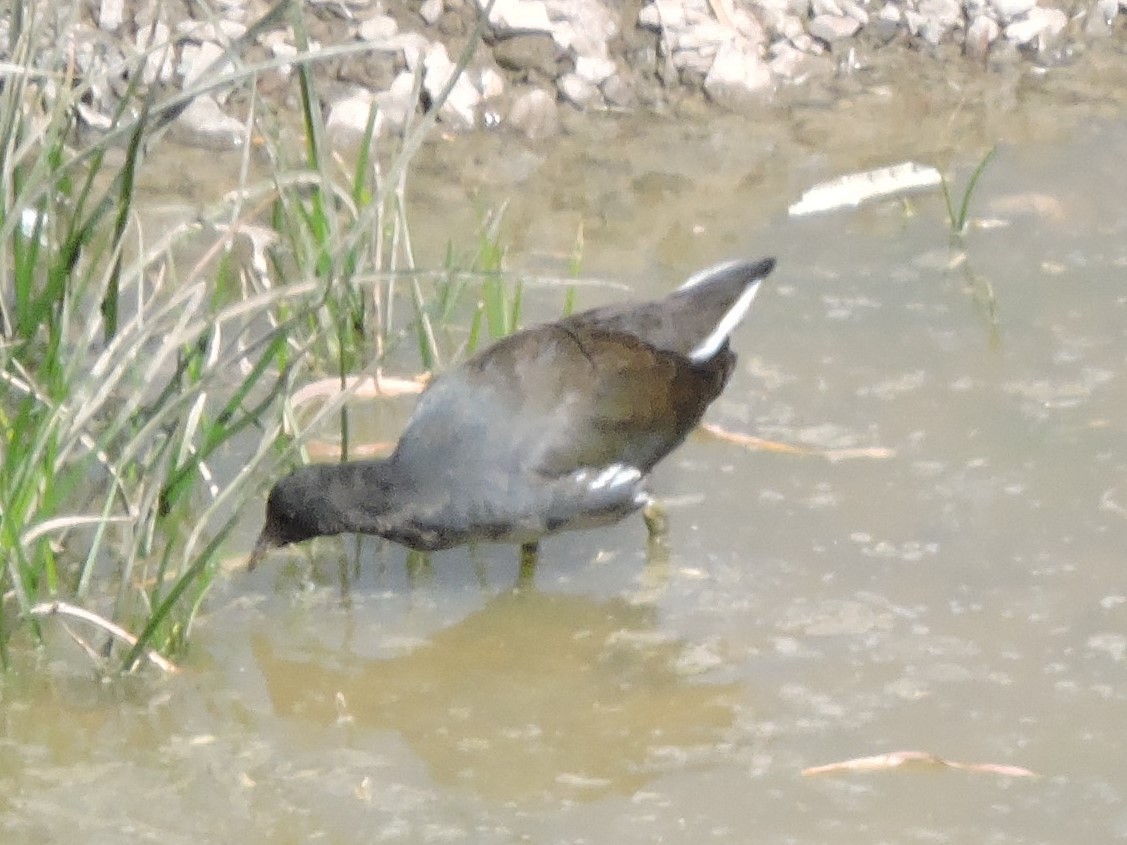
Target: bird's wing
<point>591,398</point>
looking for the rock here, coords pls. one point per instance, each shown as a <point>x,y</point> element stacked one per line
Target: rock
<point>1039,26</point>
<point>890,13</point>
<point>491,83</point>
<point>887,22</point>
<point>584,26</point>
<point>221,30</point>
<point>1007,10</point>
<point>518,16</point>
<point>785,60</point>
<point>826,7</point>
<point>459,109</point>
<point>855,11</point>
<point>941,16</point>
<point>779,24</point>
<point>593,69</point>
<point>914,20</point>
<point>430,11</point>
<point>203,124</point>
<point>619,93</point>
<point>808,44</point>
<point>158,64</point>
<point>196,59</point>
<point>528,55</point>
<point>397,103</point>
<point>980,35</point>
<point>650,18</point>
<point>110,15</point>
<point>378,28</point>
<point>1107,9</point>
<point>535,114</point>
<point>947,13</point>
<point>579,91</point>
<point>412,45</point>
<point>831,28</point>
<point>737,77</point>
<point>347,121</point>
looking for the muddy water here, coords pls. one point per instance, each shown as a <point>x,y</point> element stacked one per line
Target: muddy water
<point>963,596</point>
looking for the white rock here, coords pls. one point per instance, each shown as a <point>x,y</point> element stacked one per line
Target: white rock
<point>579,91</point>
<point>808,44</point>
<point>914,20</point>
<point>825,7</point>
<point>204,124</point>
<point>585,26</point>
<point>1108,9</point>
<point>593,69</point>
<point>946,12</point>
<point>460,107</point>
<point>737,76</point>
<point>412,45</point>
<point>519,15</point>
<point>348,120</point>
<point>855,11</point>
<point>1009,9</point>
<point>1039,25</point>
<point>669,13</point>
<point>890,13</point>
<point>158,61</point>
<point>196,59</point>
<point>431,11</point>
<point>749,27</point>
<point>980,35</point>
<point>650,18</point>
<point>379,28</point>
<point>110,15</point>
<point>831,28</point>
<point>786,60</point>
<point>491,83</point>
<point>222,30</point>
<point>279,45</point>
<point>396,103</point>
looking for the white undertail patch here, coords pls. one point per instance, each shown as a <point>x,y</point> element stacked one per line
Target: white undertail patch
<point>707,348</point>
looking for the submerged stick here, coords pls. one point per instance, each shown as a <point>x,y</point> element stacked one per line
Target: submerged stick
<point>62,608</point>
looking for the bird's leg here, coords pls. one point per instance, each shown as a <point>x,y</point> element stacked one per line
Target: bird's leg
<point>420,572</point>
<point>655,575</point>
<point>528,554</point>
<point>657,523</point>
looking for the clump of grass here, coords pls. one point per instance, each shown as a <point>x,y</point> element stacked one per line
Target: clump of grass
<point>125,378</point>
<point>958,219</point>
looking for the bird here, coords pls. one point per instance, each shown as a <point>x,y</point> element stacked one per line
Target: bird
<point>553,428</point>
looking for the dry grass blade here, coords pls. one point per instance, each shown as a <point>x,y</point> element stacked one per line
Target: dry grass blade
<point>917,759</point>
<point>764,445</point>
<point>62,608</point>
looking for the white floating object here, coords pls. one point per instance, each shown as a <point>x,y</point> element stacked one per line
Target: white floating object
<point>851,190</point>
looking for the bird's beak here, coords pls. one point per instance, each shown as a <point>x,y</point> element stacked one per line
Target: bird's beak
<point>266,542</point>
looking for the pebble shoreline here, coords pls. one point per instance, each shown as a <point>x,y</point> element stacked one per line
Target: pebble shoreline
<point>541,56</point>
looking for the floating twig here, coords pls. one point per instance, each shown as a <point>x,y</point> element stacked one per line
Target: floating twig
<point>764,445</point>
<point>924,759</point>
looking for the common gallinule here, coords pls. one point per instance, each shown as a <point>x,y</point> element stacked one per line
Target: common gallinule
<point>552,428</point>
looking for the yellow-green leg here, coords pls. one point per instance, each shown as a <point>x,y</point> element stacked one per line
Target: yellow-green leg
<point>528,555</point>
<point>657,523</point>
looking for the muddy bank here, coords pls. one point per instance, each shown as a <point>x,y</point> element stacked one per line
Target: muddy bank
<point>539,63</point>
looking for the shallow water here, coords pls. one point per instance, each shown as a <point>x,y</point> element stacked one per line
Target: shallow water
<point>962,596</point>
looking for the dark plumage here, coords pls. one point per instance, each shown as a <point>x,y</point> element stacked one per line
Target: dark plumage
<point>552,428</point>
